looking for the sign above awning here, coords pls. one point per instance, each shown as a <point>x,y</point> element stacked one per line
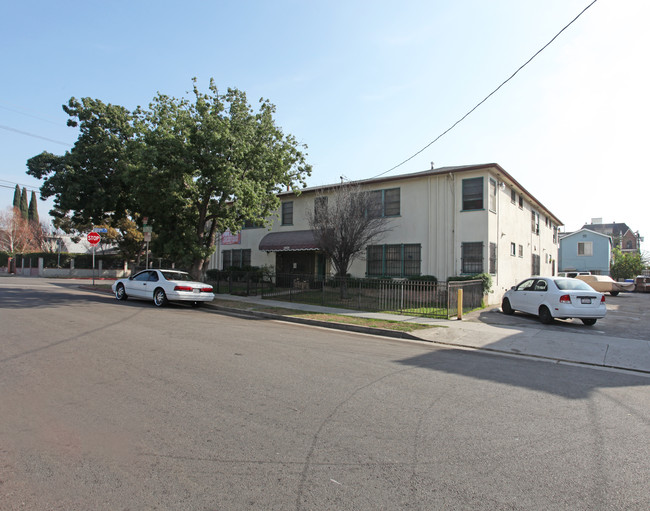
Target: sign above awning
<point>287,241</point>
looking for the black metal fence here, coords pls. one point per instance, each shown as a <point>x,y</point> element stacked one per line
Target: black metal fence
<point>240,282</point>
<point>412,297</point>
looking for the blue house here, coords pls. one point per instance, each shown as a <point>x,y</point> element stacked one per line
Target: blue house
<point>585,250</point>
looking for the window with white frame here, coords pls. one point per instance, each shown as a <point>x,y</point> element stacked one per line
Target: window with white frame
<point>585,248</point>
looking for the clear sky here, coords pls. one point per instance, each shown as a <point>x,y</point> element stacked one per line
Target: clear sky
<point>365,84</point>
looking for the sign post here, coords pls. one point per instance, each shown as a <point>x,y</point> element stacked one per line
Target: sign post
<point>93,238</point>
<point>146,229</point>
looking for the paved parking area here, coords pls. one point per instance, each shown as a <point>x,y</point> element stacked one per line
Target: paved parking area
<point>628,316</point>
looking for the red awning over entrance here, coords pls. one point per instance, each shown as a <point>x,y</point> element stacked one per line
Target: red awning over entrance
<point>288,241</point>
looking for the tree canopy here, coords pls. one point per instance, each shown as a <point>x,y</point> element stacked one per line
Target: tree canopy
<point>194,167</point>
<point>626,265</point>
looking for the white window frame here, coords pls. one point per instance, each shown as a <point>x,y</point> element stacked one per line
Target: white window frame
<point>587,248</point>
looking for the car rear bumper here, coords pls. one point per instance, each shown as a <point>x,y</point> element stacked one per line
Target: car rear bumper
<point>186,296</point>
<point>572,311</point>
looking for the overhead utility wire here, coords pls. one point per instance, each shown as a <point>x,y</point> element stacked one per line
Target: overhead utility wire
<point>488,96</point>
<point>35,136</point>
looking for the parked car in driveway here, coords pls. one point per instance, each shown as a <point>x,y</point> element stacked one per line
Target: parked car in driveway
<point>163,286</point>
<point>555,298</point>
<point>606,284</point>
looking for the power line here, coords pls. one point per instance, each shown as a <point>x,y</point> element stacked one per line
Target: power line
<point>30,115</point>
<point>488,96</point>
<point>33,135</point>
<point>13,185</point>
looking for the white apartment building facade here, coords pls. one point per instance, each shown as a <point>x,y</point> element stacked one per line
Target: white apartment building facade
<point>444,222</point>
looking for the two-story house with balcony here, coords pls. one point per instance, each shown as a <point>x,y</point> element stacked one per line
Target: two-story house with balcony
<point>444,222</point>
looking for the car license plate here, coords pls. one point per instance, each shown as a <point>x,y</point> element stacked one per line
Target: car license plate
<point>585,300</point>
<point>196,290</point>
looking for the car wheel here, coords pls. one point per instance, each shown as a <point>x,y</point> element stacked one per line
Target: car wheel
<point>159,297</point>
<point>545,315</point>
<point>614,293</point>
<point>589,321</point>
<point>506,308</point>
<point>120,292</point>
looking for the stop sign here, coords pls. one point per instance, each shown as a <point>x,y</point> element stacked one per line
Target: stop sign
<point>93,238</point>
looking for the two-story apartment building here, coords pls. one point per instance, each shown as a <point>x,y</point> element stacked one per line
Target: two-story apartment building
<point>444,222</point>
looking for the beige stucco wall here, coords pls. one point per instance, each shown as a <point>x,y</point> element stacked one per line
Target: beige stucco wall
<point>431,215</point>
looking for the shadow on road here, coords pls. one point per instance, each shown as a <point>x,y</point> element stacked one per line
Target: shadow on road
<point>566,381</point>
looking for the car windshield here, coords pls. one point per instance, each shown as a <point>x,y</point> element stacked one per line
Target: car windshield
<point>572,285</point>
<point>176,275</point>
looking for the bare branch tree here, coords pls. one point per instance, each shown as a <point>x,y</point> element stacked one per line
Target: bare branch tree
<point>17,234</point>
<point>345,220</point>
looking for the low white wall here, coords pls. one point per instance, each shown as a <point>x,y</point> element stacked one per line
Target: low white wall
<point>78,273</point>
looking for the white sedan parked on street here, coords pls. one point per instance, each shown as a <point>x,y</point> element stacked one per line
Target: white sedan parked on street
<point>555,297</point>
<point>163,286</point>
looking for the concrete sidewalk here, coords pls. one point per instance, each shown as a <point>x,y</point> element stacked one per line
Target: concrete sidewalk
<point>582,346</point>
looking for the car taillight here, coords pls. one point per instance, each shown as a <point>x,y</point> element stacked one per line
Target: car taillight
<point>602,299</point>
<point>183,288</point>
<point>565,299</point>
<point>206,290</point>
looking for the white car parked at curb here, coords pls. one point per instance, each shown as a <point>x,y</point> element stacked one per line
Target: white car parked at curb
<point>162,286</point>
<point>555,297</point>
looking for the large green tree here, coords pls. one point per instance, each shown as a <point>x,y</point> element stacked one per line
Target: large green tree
<point>194,167</point>
<point>626,265</point>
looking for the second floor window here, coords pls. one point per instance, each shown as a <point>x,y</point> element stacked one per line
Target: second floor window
<point>534,222</point>
<point>287,213</point>
<point>493,195</point>
<point>472,193</point>
<point>385,202</point>
<point>320,207</point>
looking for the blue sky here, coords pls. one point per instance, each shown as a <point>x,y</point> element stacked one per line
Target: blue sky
<point>364,84</point>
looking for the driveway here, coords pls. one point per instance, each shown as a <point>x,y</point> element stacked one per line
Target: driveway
<point>626,317</point>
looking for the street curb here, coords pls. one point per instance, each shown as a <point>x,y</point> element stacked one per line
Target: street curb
<point>314,322</point>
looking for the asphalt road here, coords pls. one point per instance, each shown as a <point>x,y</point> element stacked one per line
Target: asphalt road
<point>108,406</point>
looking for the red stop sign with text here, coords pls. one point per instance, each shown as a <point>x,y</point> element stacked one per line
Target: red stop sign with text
<point>93,238</point>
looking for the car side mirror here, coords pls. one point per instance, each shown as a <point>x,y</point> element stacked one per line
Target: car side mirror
<point>131,277</point>
<point>513,288</point>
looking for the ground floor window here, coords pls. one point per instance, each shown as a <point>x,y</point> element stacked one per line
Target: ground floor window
<point>536,264</point>
<point>400,260</point>
<point>472,257</point>
<point>238,258</point>
<point>493,258</point>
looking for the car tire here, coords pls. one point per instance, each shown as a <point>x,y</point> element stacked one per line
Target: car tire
<point>159,297</point>
<point>589,321</point>
<point>614,293</point>
<point>545,315</point>
<point>506,308</point>
<point>120,292</point>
